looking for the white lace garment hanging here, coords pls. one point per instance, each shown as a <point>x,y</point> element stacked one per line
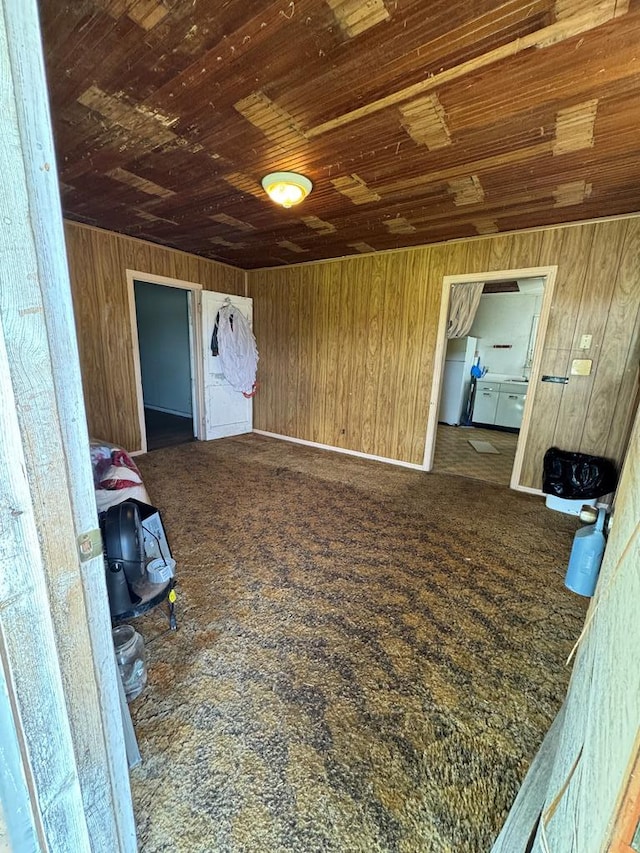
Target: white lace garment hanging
<point>237,350</point>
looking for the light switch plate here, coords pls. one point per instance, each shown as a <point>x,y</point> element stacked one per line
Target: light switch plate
<point>581,366</point>
<point>585,342</point>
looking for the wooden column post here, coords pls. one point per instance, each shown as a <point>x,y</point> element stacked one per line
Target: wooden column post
<point>55,639</point>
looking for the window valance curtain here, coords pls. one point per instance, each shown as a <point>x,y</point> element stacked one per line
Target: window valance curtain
<point>465,299</point>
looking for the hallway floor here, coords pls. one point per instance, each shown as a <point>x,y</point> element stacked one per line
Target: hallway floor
<point>165,430</point>
<point>454,454</point>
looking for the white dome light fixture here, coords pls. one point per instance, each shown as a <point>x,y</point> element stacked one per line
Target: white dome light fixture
<point>286,188</point>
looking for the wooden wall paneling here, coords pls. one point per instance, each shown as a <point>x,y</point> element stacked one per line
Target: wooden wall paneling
<point>619,351</point>
<point>599,299</point>
<point>481,256</point>
<point>87,296</point>
<point>399,340</point>
<point>422,296</point>
<point>284,328</point>
<point>601,267</point>
<point>339,347</point>
<point>407,347</point>
<point>373,280</point>
<point>321,330</point>
<point>551,247</point>
<point>292,310</point>
<point>190,267</point>
<point>574,407</point>
<point>347,423</point>
<point>360,330</point>
<point>261,320</point>
<point>98,261</point>
<point>500,253</point>
<point>602,274</point>
<point>305,366</point>
<point>437,271</point>
<point>412,333</point>
<point>281,296</point>
<point>525,250</point>
<point>299,355</point>
<point>116,340</point>
<point>559,246</point>
<point>392,349</point>
<point>388,412</point>
<point>628,401</point>
<point>292,333</point>
<point>333,425</point>
<point>137,255</point>
<point>117,337</point>
<point>171,266</point>
<point>457,254</point>
<point>318,354</point>
<point>269,374</point>
<point>570,256</point>
<point>306,362</point>
<point>542,429</point>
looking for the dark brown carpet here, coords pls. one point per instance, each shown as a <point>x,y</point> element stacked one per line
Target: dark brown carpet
<point>368,656</point>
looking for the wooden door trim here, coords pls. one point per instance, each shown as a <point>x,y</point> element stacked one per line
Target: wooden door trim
<point>194,321</point>
<point>548,273</point>
<point>627,815</point>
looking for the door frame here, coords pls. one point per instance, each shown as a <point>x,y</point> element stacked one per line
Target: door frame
<point>547,273</point>
<point>194,291</point>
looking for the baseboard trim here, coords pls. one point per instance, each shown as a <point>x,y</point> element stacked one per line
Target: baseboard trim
<point>319,446</point>
<point>169,411</point>
<point>528,490</point>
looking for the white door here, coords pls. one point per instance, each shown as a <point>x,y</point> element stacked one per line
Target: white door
<point>226,411</point>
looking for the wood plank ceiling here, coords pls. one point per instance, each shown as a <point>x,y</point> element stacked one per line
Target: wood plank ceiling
<point>417,120</point>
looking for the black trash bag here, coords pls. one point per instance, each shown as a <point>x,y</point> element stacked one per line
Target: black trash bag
<point>577,475</point>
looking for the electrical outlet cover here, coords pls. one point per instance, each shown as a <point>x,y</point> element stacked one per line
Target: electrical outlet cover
<point>581,366</point>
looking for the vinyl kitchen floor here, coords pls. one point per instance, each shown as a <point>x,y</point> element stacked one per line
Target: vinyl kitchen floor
<point>454,454</point>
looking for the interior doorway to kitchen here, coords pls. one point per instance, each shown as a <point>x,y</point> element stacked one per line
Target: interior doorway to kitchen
<point>166,344</point>
<point>484,388</point>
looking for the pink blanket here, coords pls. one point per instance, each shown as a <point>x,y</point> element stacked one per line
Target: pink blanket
<point>115,475</point>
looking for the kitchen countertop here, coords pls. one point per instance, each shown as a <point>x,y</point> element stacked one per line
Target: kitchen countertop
<point>502,377</point>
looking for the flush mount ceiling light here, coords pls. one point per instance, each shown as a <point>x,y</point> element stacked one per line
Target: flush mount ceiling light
<point>286,188</point>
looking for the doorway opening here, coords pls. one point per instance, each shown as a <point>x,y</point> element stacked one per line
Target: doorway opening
<point>484,381</point>
<point>165,338</point>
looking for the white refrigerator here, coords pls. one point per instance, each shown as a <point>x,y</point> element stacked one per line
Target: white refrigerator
<point>456,379</point>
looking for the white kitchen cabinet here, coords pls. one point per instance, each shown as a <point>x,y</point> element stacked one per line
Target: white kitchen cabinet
<point>510,409</point>
<point>486,402</point>
<point>500,403</point>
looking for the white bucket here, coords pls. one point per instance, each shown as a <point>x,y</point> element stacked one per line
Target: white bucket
<point>568,506</point>
<point>161,571</point>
